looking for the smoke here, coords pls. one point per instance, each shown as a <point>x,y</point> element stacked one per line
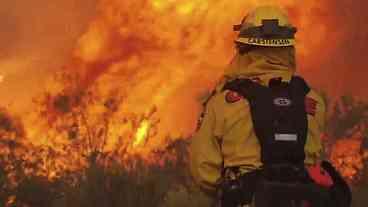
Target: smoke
<point>167,53</point>
<point>162,55</point>
<point>339,66</point>
<point>8,30</point>
<point>129,41</point>
<point>332,38</point>
<point>36,38</point>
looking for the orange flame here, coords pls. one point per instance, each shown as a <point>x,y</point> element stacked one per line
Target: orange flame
<point>142,133</point>
<point>166,54</point>
<point>150,60</point>
<point>348,155</point>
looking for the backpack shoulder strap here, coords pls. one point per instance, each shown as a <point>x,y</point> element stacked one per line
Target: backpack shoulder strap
<point>245,87</point>
<point>299,86</point>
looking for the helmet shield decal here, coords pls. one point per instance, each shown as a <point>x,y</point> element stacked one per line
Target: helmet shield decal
<point>269,30</point>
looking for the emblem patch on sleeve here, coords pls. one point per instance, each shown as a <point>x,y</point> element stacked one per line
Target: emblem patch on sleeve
<point>232,97</point>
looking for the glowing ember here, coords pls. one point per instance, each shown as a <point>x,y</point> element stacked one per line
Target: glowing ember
<point>349,156</point>
<point>142,133</point>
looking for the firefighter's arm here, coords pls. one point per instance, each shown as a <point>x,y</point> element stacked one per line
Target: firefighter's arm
<point>316,127</point>
<point>205,153</point>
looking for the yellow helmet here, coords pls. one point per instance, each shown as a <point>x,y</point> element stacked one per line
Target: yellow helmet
<point>266,26</point>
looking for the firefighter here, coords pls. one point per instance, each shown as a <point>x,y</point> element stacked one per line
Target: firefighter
<point>262,122</point>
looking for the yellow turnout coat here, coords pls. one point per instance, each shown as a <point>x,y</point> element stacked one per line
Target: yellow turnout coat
<point>226,137</point>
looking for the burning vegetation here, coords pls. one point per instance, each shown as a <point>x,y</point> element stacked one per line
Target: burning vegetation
<point>347,142</point>
<point>111,128</point>
<point>132,86</point>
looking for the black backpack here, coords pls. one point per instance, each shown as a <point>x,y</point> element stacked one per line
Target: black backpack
<point>281,126</point>
<point>279,117</point>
